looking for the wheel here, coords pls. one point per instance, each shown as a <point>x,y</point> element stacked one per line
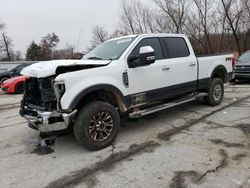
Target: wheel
<point>3,79</point>
<point>19,89</point>
<point>96,125</point>
<point>215,92</point>
<point>233,80</point>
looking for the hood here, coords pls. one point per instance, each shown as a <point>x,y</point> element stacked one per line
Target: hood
<point>15,79</point>
<point>5,73</point>
<point>243,63</point>
<point>48,68</point>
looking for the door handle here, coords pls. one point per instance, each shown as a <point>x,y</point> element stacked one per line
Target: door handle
<point>165,68</point>
<point>192,64</point>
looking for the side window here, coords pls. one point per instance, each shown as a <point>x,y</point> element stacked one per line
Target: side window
<point>177,47</point>
<point>153,42</point>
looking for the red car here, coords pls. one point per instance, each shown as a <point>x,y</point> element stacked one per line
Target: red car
<point>14,85</point>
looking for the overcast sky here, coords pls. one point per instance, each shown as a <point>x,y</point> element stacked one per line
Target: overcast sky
<point>29,20</point>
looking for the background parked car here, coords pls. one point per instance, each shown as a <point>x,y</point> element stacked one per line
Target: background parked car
<point>12,73</point>
<point>14,85</point>
<point>242,67</point>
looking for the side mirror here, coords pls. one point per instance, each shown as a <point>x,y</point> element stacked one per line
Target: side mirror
<point>147,55</point>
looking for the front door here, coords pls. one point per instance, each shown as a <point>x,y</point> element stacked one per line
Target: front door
<point>145,81</point>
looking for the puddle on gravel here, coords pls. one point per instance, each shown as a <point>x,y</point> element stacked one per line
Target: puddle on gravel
<point>43,147</point>
<point>42,150</point>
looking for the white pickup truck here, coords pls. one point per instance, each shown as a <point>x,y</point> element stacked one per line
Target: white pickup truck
<point>129,76</point>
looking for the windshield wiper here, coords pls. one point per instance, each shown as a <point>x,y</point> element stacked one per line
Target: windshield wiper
<point>95,58</point>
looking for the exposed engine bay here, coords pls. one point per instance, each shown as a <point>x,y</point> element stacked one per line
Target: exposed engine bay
<point>39,94</point>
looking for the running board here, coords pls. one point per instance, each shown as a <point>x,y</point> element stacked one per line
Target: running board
<point>161,107</point>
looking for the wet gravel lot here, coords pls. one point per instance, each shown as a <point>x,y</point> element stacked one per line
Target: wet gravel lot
<point>192,145</point>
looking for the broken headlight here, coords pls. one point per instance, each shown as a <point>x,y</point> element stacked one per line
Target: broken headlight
<point>59,88</point>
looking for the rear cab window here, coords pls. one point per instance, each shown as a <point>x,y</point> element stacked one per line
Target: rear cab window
<point>176,47</point>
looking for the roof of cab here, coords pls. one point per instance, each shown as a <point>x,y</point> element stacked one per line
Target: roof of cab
<point>149,35</point>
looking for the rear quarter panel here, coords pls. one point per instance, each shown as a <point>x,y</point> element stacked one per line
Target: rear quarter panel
<point>208,64</point>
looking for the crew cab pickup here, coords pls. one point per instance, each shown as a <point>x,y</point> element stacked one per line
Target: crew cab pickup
<point>130,76</point>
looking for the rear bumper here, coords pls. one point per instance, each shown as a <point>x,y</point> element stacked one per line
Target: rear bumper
<point>42,121</point>
<point>242,76</point>
<point>230,76</point>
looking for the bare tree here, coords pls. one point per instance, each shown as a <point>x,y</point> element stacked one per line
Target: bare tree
<point>234,11</point>
<point>2,26</point>
<point>99,35</point>
<point>47,44</point>
<point>213,26</point>
<point>175,10</point>
<point>7,44</point>
<point>127,19</point>
<point>136,18</point>
<point>205,13</point>
<point>246,24</point>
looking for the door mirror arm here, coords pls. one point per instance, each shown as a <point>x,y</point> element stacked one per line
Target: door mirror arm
<point>132,61</point>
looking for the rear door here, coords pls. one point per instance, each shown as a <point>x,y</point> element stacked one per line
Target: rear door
<point>181,67</point>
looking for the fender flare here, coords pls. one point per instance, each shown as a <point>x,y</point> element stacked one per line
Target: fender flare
<point>88,90</point>
<point>219,67</point>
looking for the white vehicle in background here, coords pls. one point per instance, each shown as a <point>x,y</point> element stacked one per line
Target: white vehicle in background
<point>128,76</point>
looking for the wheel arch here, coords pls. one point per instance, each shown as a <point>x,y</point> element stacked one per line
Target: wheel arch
<point>219,71</point>
<point>5,77</point>
<point>103,92</point>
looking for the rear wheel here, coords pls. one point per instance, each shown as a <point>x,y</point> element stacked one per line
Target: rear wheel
<point>96,126</point>
<point>19,89</point>
<point>215,92</point>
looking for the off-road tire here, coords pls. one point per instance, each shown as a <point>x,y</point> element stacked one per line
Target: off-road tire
<point>84,123</point>
<point>215,92</point>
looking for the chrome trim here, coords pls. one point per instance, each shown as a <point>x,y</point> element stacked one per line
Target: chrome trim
<point>41,121</point>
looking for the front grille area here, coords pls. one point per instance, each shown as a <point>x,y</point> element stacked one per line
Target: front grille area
<point>39,94</point>
<point>243,69</point>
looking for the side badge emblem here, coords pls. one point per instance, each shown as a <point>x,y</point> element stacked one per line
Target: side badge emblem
<point>125,79</point>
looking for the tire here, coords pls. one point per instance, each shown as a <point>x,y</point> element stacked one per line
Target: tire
<point>19,89</point>
<point>232,81</point>
<point>89,128</point>
<point>3,79</point>
<point>215,92</point>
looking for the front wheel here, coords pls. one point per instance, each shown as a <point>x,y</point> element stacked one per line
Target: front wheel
<point>3,79</point>
<point>215,92</point>
<point>96,125</point>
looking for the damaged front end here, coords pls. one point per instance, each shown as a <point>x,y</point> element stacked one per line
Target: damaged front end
<point>41,105</point>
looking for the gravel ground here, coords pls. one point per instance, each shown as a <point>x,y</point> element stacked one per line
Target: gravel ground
<point>192,145</point>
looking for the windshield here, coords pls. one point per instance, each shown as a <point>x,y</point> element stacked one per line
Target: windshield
<point>15,68</point>
<point>110,50</point>
<point>245,57</point>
